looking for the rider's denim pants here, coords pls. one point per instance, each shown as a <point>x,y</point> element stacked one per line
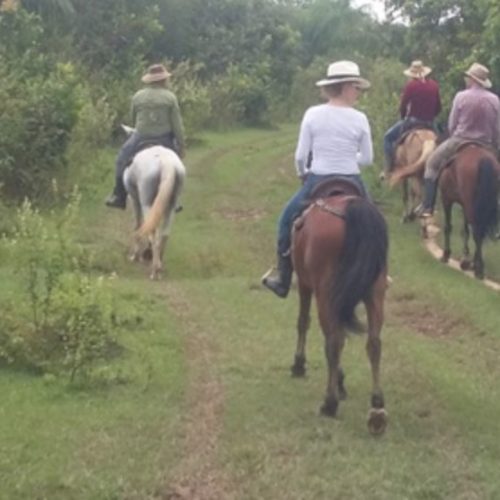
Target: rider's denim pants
<point>298,203</point>
<point>390,138</point>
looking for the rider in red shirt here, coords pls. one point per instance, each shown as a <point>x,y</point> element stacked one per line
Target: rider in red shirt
<point>420,104</point>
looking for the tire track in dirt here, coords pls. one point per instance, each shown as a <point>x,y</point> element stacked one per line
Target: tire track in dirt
<point>197,476</point>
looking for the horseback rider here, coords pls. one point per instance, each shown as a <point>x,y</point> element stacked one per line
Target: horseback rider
<point>474,116</point>
<point>334,141</point>
<point>157,119</point>
<point>419,105</point>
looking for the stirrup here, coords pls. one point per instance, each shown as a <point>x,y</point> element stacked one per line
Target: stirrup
<point>267,274</point>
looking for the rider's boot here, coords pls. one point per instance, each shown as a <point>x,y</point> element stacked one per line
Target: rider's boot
<point>281,284</point>
<point>430,190</point>
<point>119,197</point>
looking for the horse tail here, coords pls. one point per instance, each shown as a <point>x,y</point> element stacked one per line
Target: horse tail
<point>363,258</point>
<point>162,199</point>
<point>485,200</point>
<point>414,168</point>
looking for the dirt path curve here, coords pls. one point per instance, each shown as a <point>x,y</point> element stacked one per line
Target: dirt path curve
<point>436,251</point>
<point>197,476</point>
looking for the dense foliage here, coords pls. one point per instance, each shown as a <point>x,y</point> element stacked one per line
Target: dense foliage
<point>69,67</point>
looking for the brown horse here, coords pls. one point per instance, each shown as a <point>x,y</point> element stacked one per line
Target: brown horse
<point>339,253</point>
<point>471,180</point>
<point>411,154</point>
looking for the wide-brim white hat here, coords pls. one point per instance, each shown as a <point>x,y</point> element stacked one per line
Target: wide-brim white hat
<point>479,74</point>
<point>342,72</point>
<point>417,70</point>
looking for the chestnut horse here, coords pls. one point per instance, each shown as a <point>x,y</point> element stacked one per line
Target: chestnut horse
<point>339,252</point>
<point>411,155</point>
<point>471,180</point>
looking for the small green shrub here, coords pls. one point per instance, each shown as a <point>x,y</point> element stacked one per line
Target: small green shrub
<point>64,323</point>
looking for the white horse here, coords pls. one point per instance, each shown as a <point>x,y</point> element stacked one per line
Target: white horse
<point>154,181</point>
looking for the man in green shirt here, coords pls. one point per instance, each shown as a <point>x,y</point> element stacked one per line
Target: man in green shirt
<point>156,117</point>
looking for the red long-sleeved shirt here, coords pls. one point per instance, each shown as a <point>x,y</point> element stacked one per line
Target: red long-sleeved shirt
<point>420,99</point>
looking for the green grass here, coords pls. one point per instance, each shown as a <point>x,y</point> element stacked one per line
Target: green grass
<point>210,326</point>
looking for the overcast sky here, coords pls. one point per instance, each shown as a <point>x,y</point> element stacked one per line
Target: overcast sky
<point>376,7</point>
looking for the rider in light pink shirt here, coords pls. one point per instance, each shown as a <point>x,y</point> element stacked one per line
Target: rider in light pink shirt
<point>475,116</point>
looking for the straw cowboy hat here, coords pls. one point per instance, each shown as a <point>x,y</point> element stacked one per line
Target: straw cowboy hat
<point>343,71</point>
<point>155,73</point>
<point>417,70</point>
<point>479,74</point>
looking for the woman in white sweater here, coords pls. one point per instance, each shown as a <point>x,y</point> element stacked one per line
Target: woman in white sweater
<point>334,141</point>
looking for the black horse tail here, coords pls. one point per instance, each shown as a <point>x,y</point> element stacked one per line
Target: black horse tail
<point>363,258</point>
<point>485,200</point>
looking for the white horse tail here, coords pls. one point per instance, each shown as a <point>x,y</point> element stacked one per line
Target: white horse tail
<point>162,200</point>
<point>414,168</point>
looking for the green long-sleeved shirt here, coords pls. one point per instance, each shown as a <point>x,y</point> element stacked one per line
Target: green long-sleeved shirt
<point>155,112</point>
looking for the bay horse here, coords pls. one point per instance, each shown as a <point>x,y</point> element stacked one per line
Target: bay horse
<point>471,179</point>
<point>154,181</point>
<point>339,253</point>
<point>410,157</point>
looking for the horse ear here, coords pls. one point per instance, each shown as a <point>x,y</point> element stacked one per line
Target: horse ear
<point>128,130</point>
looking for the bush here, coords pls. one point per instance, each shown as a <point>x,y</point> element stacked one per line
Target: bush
<point>65,323</point>
<point>39,108</point>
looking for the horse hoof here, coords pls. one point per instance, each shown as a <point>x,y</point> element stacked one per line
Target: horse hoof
<point>445,257</point>
<point>342,394</point>
<point>465,265</point>
<point>479,275</point>
<point>298,371</point>
<point>329,408</point>
<point>377,421</point>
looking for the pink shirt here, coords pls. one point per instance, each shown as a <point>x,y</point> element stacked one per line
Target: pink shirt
<point>475,114</point>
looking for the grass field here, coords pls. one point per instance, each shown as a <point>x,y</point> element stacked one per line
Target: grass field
<point>207,408</point>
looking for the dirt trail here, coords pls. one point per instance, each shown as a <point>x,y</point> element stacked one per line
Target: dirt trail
<point>436,251</point>
<point>197,476</point>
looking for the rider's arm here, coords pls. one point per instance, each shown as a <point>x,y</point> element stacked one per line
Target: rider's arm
<point>177,126</point>
<point>304,146</point>
<point>405,103</point>
<point>453,118</point>
<point>365,153</point>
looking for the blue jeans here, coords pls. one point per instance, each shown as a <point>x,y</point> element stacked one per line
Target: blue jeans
<point>298,203</point>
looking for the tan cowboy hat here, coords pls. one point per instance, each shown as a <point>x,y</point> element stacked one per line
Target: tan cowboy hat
<point>343,71</point>
<point>155,73</point>
<point>417,70</point>
<point>479,74</point>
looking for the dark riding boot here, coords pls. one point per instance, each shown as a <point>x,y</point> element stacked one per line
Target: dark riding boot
<point>280,285</point>
<point>119,197</point>
<point>430,190</point>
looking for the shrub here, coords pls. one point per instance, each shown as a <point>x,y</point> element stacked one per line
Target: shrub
<point>65,324</point>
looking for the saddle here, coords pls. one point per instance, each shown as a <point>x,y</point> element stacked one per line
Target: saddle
<point>411,127</point>
<point>465,143</point>
<point>167,142</point>
<point>334,187</point>
<point>326,189</point>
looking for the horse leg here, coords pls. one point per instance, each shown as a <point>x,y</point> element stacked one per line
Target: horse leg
<point>407,212</point>
<point>136,251</point>
<point>158,245</point>
<point>478,259</point>
<point>377,416</point>
<point>465,263</point>
<point>447,232</point>
<point>303,322</point>
<point>334,343</point>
